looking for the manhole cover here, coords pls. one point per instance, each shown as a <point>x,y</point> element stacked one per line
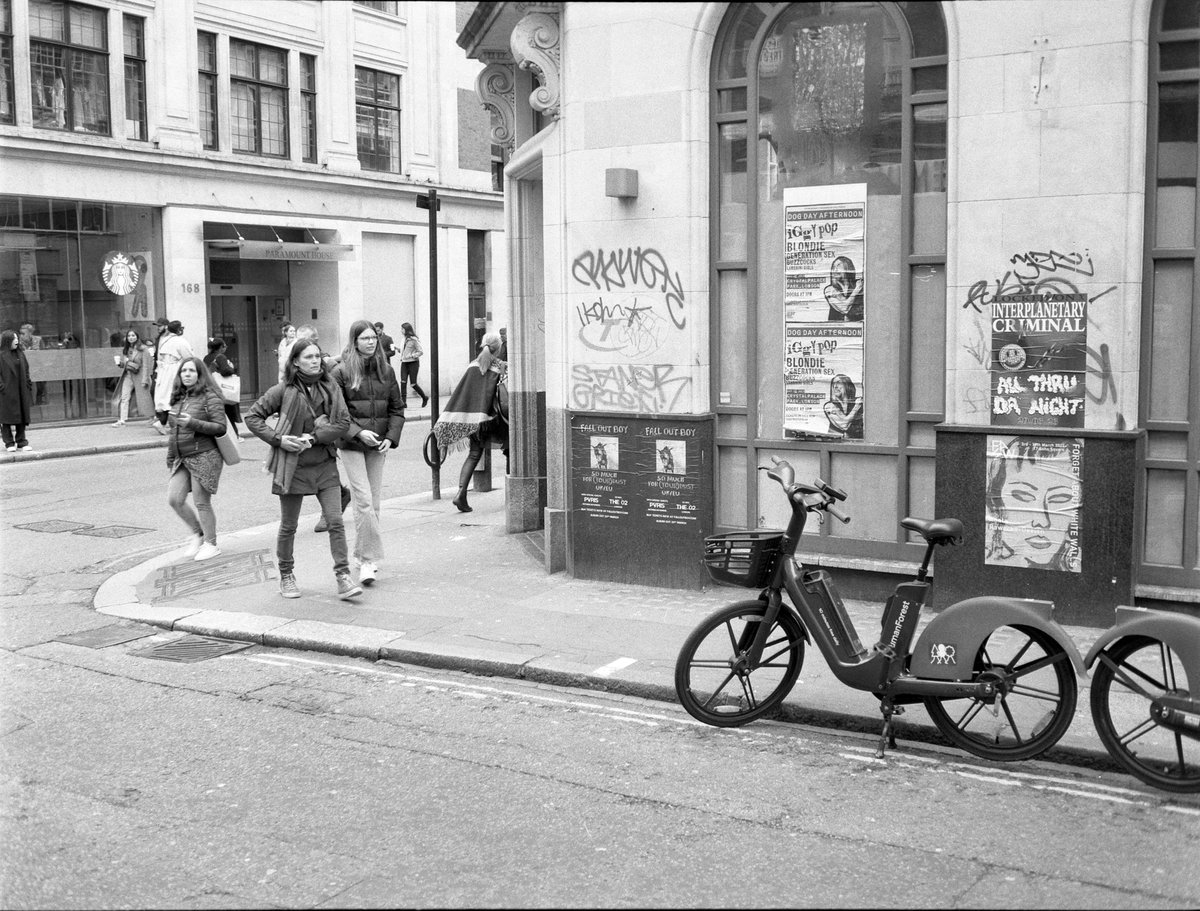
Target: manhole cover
<point>53,526</point>
<point>104,636</point>
<point>113,531</point>
<point>191,648</point>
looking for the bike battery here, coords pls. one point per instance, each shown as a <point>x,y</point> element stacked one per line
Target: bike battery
<point>900,617</point>
<point>832,614</point>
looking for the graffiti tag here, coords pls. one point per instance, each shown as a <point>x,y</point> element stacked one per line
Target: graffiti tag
<point>631,268</point>
<point>644,388</point>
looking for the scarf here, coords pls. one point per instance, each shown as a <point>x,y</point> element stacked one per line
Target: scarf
<point>472,404</point>
<point>299,399</point>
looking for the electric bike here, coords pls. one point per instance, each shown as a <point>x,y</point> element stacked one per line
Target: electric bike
<point>996,674</point>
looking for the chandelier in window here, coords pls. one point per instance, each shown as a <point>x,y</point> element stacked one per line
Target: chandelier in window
<point>827,80</point>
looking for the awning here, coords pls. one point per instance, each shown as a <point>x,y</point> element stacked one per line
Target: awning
<point>300,244</point>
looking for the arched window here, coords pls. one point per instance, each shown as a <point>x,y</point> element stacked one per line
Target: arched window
<point>816,104</point>
<point>1169,407</point>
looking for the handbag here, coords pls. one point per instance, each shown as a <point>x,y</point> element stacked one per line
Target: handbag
<point>231,388</point>
<point>228,445</point>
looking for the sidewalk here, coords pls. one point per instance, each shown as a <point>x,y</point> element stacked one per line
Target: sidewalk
<point>455,591</point>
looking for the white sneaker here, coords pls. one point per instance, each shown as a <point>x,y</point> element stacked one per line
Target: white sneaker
<point>10,448</point>
<point>207,552</point>
<point>193,545</point>
<point>25,448</point>
<point>366,573</point>
<point>118,423</point>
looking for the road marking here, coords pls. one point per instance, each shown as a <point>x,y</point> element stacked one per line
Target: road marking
<point>613,666</point>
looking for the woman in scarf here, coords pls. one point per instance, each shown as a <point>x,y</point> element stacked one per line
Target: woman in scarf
<point>196,418</point>
<point>16,392</point>
<point>476,413</point>
<point>303,460</point>
<point>372,395</point>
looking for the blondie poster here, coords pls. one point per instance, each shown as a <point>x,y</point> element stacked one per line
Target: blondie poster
<point>1032,502</point>
<point>1039,359</point>
<point>823,311</point>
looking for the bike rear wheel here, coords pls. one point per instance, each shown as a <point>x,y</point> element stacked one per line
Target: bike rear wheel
<point>713,679</point>
<point>1035,702</point>
<point>1129,676</point>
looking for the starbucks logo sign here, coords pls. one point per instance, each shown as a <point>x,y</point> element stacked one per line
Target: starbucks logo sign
<point>119,274</point>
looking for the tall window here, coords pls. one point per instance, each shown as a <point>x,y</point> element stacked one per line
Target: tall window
<point>206,47</point>
<point>1169,409</point>
<point>68,64</point>
<point>259,99</point>
<point>308,106</point>
<point>843,102</point>
<point>377,115</point>
<point>8,111</point>
<point>135,77</point>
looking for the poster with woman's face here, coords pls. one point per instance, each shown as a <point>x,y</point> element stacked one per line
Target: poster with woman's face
<point>1032,502</point>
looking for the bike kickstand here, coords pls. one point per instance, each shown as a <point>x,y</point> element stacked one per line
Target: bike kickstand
<point>887,737</point>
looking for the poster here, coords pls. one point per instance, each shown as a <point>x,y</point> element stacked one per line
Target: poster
<point>1039,359</point>
<point>1032,502</point>
<point>824,311</point>
<point>136,287</point>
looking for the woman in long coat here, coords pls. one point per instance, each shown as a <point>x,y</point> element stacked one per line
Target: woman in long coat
<point>16,392</point>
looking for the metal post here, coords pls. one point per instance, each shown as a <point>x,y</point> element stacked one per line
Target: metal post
<point>430,201</point>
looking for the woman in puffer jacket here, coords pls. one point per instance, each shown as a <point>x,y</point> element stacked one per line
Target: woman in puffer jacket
<point>196,418</point>
<point>376,408</point>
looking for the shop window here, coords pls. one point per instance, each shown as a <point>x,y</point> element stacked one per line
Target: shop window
<point>391,7</point>
<point>308,107</point>
<point>206,47</point>
<point>8,110</point>
<point>830,117</point>
<point>258,99</point>
<point>1170,361</point>
<point>377,119</point>
<point>135,77</point>
<point>68,65</point>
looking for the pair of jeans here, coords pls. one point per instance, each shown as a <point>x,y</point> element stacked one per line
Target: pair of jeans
<point>408,374</point>
<point>131,387</point>
<point>14,434</point>
<point>364,476</point>
<point>289,519</point>
<point>202,521</point>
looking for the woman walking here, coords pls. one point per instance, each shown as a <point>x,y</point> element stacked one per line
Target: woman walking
<point>16,392</point>
<point>285,347</point>
<point>132,385</point>
<point>410,363</point>
<point>196,419</point>
<point>475,413</point>
<point>172,349</point>
<point>372,396</point>
<point>303,462</point>
<point>218,363</point>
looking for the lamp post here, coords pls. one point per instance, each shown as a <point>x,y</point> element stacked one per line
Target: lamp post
<point>431,202</point>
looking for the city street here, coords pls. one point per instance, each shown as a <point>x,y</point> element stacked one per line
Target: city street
<point>278,778</point>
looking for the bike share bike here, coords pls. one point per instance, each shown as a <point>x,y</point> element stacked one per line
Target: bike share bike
<point>996,674</point>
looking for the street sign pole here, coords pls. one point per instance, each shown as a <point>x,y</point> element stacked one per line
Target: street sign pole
<point>431,202</point>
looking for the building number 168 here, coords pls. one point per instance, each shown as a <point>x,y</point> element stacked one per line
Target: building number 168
<point>190,288</point>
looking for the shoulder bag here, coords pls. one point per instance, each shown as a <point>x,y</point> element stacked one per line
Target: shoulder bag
<point>230,386</point>
<point>228,444</point>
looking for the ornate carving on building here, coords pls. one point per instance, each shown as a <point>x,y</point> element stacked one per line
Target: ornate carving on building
<point>535,46</point>
<point>495,87</point>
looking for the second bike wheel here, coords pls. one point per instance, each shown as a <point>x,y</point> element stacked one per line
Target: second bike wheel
<point>1129,676</point>
<point>713,678</point>
<point>1035,701</point>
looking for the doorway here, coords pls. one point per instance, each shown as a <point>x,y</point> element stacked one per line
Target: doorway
<point>246,316</point>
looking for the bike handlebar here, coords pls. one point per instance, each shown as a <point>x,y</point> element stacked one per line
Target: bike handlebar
<point>786,476</point>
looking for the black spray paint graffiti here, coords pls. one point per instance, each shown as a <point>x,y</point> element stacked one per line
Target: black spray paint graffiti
<point>630,269</point>
<point>645,388</point>
<point>1035,273</point>
<point>634,330</point>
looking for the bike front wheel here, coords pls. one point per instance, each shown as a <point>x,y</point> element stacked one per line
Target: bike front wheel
<point>713,677</point>
<point>1129,676</point>
<point>1035,701</point>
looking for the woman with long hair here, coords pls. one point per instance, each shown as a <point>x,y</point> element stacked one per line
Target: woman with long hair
<point>217,362</point>
<point>844,293</point>
<point>16,392</point>
<point>844,408</point>
<point>368,384</point>
<point>1032,505</point>
<point>410,363</point>
<point>133,364</point>
<point>285,346</point>
<point>303,458</point>
<point>195,419</point>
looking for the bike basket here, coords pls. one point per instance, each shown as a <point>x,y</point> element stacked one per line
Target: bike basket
<point>743,557</point>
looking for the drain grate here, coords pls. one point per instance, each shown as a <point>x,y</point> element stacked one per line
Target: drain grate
<point>104,636</point>
<point>53,526</point>
<point>191,648</point>
<point>113,531</point>
<point>190,578</point>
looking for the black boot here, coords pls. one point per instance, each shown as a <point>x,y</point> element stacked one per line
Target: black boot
<point>461,500</point>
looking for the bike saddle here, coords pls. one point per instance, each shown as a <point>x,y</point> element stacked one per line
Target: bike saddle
<point>936,531</point>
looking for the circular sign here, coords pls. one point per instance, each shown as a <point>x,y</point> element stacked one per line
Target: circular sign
<point>119,274</point>
<point>1012,357</point>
